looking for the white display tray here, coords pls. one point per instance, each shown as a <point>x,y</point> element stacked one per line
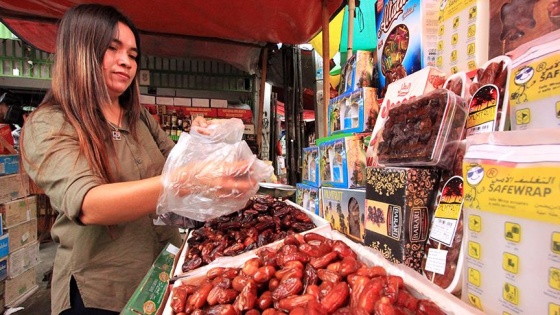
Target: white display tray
<point>416,283</point>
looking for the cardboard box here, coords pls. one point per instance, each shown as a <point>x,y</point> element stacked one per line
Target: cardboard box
<point>357,72</point>
<point>149,295</point>
<point>342,161</point>
<point>354,111</point>
<point>19,286</point>
<point>13,187</point>
<point>22,234</point>
<point>399,207</point>
<point>23,259</point>
<point>3,273</point>
<point>513,23</point>
<point>200,102</point>
<point>462,35</point>
<point>18,211</point>
<point>217,103</point>
<point>310,166</point>
<point>512,245</point>
<point>407,88</point>
<point>147,99</point>
<point>308,198</point>
<point>246,115</point>
<point>9,164</point>
<point>344,209</point>
<point>164,100</point>
<point>4,245</point>
<point>406,39</point>
<point>182,101</point>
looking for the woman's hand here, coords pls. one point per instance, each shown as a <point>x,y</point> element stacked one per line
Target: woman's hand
<point>225,180</point>
<point>201,125</point>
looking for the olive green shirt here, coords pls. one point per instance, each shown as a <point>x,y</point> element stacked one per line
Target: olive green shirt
<point>108,266</point>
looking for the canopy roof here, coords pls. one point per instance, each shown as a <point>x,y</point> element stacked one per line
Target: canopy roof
<point>229,31</point>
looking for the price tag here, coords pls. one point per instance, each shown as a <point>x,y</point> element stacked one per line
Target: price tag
<point>436,260</point>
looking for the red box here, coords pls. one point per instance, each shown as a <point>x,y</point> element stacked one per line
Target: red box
<point>6,140</point>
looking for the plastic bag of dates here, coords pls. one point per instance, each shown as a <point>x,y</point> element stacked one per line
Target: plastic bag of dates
<point>209,175</point>
<point>264,220</point>
<point>310,274</point>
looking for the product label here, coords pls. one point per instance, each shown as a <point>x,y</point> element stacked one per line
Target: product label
<point>530,193</point>
<point>448,211</point>
<point>483,110</point>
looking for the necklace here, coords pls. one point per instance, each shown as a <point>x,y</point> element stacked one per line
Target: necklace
<point>115,132</point>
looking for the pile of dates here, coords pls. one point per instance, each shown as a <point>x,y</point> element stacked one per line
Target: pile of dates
<point>263,220</point>
<point>309,274</point>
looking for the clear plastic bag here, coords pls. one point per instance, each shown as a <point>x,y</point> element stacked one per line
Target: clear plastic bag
<point>202,173</point>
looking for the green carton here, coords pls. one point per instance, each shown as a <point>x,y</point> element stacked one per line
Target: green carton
<point>150,293</point>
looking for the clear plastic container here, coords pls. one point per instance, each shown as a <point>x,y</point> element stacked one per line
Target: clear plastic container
<point>424,131</point>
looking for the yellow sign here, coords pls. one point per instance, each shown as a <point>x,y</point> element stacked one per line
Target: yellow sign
<point>471,32</point>
<point>471,49</point>
<point>555,246</point>
<point>513,232</point>
<point>510,263</point>
<point>474,250</point>
<point>474,277</point>
<point>475,300</point>
<point>523,116</point>
<point>475,223</point>
<point>553,309</point>
<point>554,278</point>
<point>521,192</point>
<point>510,293</point>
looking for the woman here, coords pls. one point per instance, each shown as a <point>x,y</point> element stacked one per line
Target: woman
<point>98,154</point>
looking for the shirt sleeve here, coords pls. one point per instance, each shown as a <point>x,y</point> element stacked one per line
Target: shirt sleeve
<point>52,160</point>
<point>164,142</point>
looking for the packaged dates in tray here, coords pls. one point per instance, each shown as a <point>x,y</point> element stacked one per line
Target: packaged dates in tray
<point>424,131</point>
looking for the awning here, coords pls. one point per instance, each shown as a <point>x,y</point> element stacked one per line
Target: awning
<point>228,31</point>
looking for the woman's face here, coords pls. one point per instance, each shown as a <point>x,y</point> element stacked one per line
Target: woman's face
<point>119,62</point>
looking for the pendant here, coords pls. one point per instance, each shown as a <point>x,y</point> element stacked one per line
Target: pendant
<point>116,135</point>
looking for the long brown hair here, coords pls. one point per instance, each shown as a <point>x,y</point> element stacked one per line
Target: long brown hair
<point>78,85</point>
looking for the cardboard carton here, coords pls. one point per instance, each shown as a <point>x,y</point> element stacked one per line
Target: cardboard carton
<point>344,209</point>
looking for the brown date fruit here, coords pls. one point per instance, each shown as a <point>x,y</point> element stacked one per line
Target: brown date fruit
<point>298,311</point>
<point>328,276</point>
<point>247,297</point>
<point>222,282</point>
<point>324,261</point>
<point>264,274</point>
<point>309,276</point>
<point>273,284</point>
<point>357,284</point>
<point>289,273</point>
<point>336,298</point>
<point>281,260</point>
<point>221,309</point>
<point>265,300</point>
<point>326,287</point>
<point>372,271</point>
<point>293,264</point>
<point>426,307</point>
<point>253,312</point>
<point>372,292</point>
<point>343,250</point>
<point>407,300</point>
<point>198,298</point>
<point>308,237</point>
<point>251,266</point>
<point>348,265</point>
<point>239,282</point>
<point>394,285</point>
<point>314,290</point>
<point>178,299</point>
<point>214,272</point>
<point>287,287</point>
<point>294,301</point>
<point>384,306</point>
